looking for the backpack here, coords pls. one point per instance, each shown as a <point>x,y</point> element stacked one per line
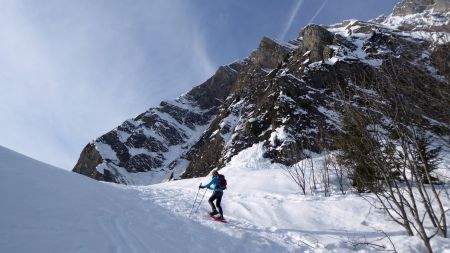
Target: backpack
<point>222,182</point>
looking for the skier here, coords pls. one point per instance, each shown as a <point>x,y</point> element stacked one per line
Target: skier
<point>217,194</point>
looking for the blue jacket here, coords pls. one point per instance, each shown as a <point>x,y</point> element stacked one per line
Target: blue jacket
<point>213,185</point>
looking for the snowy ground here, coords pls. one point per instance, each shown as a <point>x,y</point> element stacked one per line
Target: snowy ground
<point>45,209</point>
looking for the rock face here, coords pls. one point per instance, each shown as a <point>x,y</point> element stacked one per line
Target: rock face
<point>412,6</point>
<point>90,158</point>
<point>288,97</point>
<point>151,147</point>
<point>408,7</point>
<point>315,38</point>
<point>269,54</point>
<point>440,58</point>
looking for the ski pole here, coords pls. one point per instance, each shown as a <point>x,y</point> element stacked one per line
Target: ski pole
<point>192,208</point>
<point>204,193</point>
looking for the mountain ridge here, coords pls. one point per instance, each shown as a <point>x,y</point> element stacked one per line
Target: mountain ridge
<point>284,95</point>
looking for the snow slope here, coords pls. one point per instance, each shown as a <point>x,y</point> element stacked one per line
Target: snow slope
<point>45,209</point>
<point>262,201</point>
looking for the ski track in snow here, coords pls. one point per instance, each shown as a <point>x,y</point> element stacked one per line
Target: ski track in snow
<point>177,202</point>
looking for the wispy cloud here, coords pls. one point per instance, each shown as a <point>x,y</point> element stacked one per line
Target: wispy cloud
<point>318,12</point>
<point>290,21</point>
<point>200,55</point>
<point>71,72</point>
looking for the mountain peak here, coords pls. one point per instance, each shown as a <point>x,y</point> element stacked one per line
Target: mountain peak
<point>269,53</point>
<point>285,97</point>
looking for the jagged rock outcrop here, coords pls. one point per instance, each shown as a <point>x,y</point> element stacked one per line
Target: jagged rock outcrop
<point>289,97</point>
<point>315,38</point>
<point>89,158</point>
<point>269,54</point>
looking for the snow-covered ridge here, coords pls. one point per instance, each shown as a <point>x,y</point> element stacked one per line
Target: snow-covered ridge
<point>173,132</point>
<point>155,146</point>
<point>418,21</point>
<point>428,25</point>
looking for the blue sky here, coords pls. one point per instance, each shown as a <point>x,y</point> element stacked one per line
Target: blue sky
<point>72,70</point>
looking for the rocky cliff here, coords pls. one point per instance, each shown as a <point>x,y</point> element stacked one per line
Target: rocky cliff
<point>287,96</point>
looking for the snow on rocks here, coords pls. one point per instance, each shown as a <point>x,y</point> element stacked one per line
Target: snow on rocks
<point>157,149</point>
<point>426,25</point>
<point>351,31</point>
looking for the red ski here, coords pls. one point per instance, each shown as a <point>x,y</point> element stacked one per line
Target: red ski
<point>217,219</point>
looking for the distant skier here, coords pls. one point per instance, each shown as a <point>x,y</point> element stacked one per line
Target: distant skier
<point>217,184</point>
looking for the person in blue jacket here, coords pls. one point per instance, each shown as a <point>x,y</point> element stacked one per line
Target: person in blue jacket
<point>217,194</point>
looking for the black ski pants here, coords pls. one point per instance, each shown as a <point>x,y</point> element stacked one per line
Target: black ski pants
<point>217,196</point>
